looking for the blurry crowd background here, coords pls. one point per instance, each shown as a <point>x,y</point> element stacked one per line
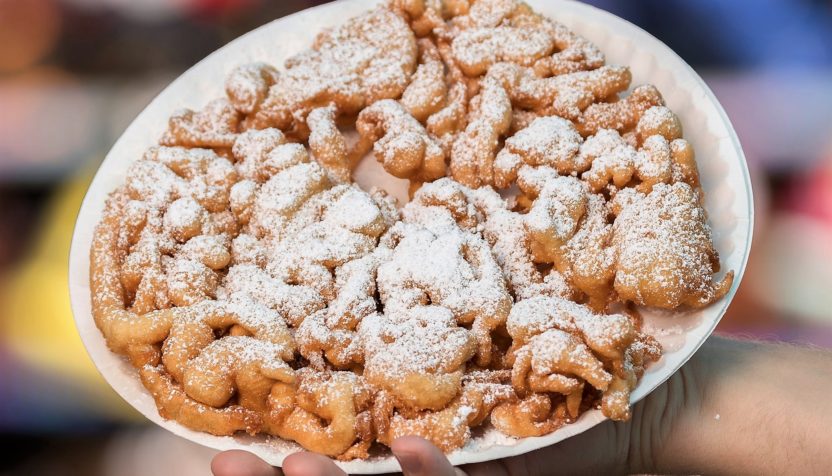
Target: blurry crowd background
<point>74,73</point>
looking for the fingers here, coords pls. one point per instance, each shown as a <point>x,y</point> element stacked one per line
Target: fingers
<point>310,464</point>
<point>241,463</point>
<point>418,457</point>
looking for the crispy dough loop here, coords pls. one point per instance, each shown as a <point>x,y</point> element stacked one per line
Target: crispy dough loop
<point>426,93</point>
<point>570,229</point>
<point>400,143</point>
<point>241,365</point>
<point>260,154</point>
<point>552,355</point>
<point>332,72</point>
<point>418,355</point>
<point>473,151</point>
<point>621,115</point>
<point>449,427</point>
<point>248,85</point>
<point>212,370</point>
<point>508,30</point>
<point>549,141</point>
<point>328,144</point>
<point>532,416</point>
<point>447,122</point>
<point>476,49</point>
<point>560,344</point>
<point>332,332</point>
<point>575,53</point>
<point>665,257</point>
<point>589,256</point>
<point>126,332</point>
<point>323,413</point>
<point>566,95</point>
<point>608,335</point>
<point>463,276</point>
<point>174,404</point>
<point>615,401</point>
<point>194,329</point>
<point>507,234</point>
<point>554,218</point>
<point>424,16</point>
<point>216,125</point>
<point>140,227</point>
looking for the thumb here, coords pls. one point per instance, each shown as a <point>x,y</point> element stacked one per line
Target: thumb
<point>418,457</point>
<point>241,463</point>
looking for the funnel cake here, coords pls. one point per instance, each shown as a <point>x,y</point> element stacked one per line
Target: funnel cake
<point>256,288</point>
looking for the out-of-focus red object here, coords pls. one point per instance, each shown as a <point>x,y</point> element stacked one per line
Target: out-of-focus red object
<point>28,32</point>
<point>793,273</point>
<point>811,195</point>
<point>216,8</point>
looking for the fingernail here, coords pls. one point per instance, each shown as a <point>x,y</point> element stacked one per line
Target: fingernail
<point>410,463</point>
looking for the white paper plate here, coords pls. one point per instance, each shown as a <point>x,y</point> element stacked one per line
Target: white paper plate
<point>721,164</point>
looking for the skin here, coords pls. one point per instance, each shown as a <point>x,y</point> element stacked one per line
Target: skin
<point>736,407</point>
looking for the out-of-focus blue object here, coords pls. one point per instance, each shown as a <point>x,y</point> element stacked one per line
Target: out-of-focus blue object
<point>781,34</point>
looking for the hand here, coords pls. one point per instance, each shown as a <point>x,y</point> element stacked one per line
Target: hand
<point>723,412</point>
<point>416,456</point>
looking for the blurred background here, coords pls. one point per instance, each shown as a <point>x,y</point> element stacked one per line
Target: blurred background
<point>74,73</point>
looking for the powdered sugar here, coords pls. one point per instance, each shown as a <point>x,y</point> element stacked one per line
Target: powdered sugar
<point>477,49</point>
<point>370,57</point>
<point>664,235</point>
